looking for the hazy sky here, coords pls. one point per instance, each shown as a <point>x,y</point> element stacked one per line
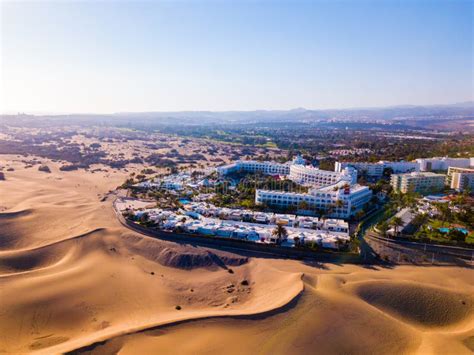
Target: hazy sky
<point>112,56</point>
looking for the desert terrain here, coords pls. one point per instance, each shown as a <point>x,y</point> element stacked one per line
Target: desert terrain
<point>72,279</point>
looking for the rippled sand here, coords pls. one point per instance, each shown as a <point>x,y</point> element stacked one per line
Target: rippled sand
<point>72,278</point>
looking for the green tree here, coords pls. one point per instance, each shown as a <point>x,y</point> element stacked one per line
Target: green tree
<point>280,232</point>
<point>297,241</point>
<point>339,243</point>
<point>396,223</point>
<point>444,211</point>
<point>383,228</point>
<point>456,235</point>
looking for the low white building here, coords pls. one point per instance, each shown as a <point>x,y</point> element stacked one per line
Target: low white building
<point>443,163</point>
<point>336,225</point>
<point>284,219</point>
<point>326,233</point>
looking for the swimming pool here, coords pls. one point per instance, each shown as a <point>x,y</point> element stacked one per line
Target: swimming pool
<point>446,230</point>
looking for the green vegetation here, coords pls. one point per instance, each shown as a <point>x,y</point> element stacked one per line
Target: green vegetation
<point>280,232</point>
<point>443,227</point>
<point>454,215</point>
<point>320,138</point>
<point>396,223</point>
<point>243,195</point>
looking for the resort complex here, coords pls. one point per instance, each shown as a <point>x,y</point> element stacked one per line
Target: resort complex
<point>237,177</point>
<point>333,193</point>
<point>289,204</point>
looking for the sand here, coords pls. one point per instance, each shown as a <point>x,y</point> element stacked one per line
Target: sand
<point>72,278</point>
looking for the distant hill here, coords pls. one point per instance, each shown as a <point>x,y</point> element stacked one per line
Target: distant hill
<point>407,113</point>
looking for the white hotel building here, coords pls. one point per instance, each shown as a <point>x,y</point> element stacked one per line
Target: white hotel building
<point>252,166</point>
<point>419,182</point>
<point>443,163</point>
<point>375,170</point>
<point>311,176</point>
<point>461,179</point>
<point>336,192</point>
<point>352,197</point>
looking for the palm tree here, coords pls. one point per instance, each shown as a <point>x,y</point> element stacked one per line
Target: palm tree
<point>383,228</point>
<point>339,243</point>
<point>280,232</point>
<point>297,241</point>
<point>396,222</point>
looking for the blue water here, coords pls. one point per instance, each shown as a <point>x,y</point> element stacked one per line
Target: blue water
<point>446,230</point>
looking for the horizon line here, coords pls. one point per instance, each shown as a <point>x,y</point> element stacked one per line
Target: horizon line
<point>55,113</point>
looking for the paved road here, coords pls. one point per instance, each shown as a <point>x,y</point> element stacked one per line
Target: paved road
<point>399,251</point>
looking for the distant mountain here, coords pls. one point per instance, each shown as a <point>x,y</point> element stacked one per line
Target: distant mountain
<point>465,109</point>
<point>407,113</point>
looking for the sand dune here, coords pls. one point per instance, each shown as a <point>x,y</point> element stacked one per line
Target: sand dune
<point>423,305</point>
<point>72,278</point>
<point>180,256</point>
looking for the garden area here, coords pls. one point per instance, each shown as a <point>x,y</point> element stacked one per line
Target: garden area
<point>450,222</point>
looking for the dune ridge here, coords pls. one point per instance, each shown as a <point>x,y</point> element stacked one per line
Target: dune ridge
<point>73,279</point>
<point>425,306</point>
<point>21,261</point>
<point>246,313</point>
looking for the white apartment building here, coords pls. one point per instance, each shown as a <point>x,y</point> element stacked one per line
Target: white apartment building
<point>461,179</point>
<point>309,175</point>
<point>443,163</point>
<point>296,171</point>
<point>252,166</point>
<point>375,170</point>
<point>420,182</point>
<point>341,200</point>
